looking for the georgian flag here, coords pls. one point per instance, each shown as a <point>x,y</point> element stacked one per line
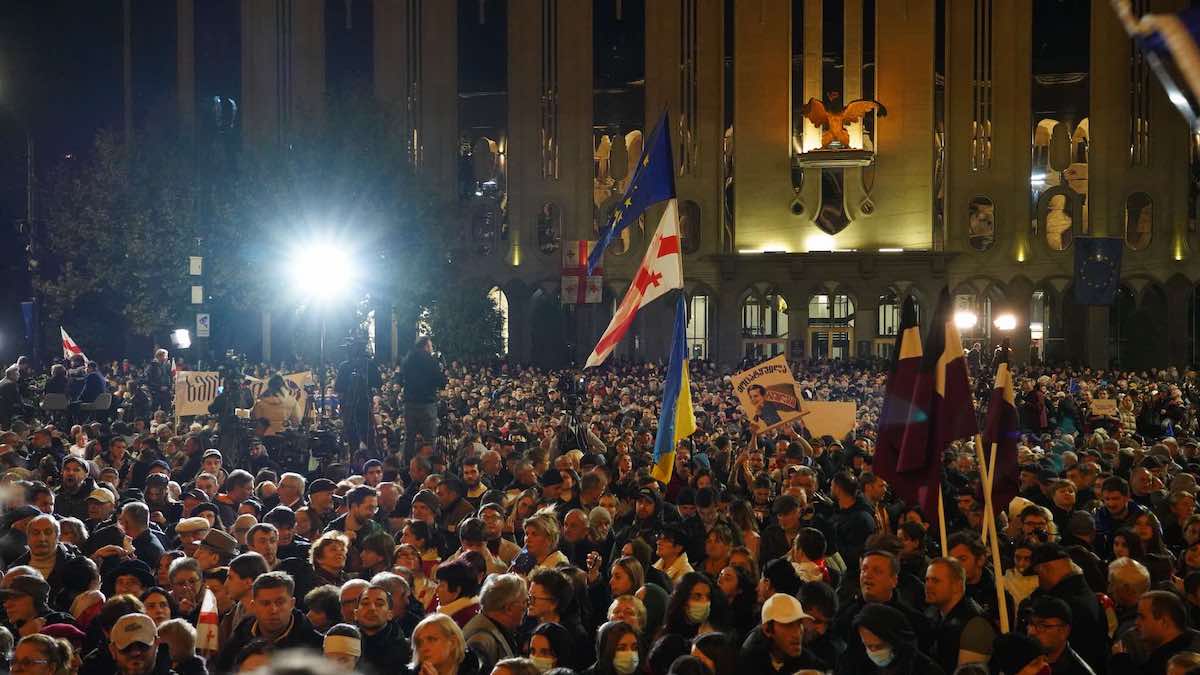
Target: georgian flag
<point>70,348</point>
<point>661,271</point>
<point>208,625</point>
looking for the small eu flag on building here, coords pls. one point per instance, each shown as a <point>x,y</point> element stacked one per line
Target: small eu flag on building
<point>653,182</point>
<point>1097,269</point>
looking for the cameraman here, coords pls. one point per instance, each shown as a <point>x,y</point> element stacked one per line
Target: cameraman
<point>422,377</point>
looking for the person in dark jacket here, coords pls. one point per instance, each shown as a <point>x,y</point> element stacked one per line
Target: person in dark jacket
<point>71,499</point>
<point>777,538</point>
<point>887,644</point>
<point>776,646</point>
<point>1162,624</point>
<point>1050,625</point>
<point>1060,578</point>
<point>422,377</point>
<point>274,618</point>
<point>135,647</point>
<point>384,648</point>
<point>853,521</point>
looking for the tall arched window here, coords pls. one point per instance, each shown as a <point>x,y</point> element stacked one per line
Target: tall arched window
<point>889,314</point>
<point>764,324</point>
<point>500,300</point>
<point>697,327</point>
<point>831,326</point>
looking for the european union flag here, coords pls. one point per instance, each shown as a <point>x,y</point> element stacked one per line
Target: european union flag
<point>653,182</point>
<point>1097,269</point>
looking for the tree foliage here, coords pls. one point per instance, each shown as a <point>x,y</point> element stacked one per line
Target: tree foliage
<point>123,221</point>
<point>465,324</point>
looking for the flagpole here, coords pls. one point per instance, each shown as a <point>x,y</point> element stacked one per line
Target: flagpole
<point>986,474</point>
<point>942,520</point>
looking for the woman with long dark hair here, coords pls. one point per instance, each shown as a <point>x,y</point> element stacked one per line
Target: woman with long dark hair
<point>697,606</point>
<point>617,650</point>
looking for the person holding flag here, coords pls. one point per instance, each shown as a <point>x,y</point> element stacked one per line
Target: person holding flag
<point>677,419</point>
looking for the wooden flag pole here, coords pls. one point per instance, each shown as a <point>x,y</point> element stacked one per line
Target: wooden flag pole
<point>942,520</point>
<point>986,475</point>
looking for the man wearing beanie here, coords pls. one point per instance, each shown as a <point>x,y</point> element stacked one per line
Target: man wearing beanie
<point>71,499</point>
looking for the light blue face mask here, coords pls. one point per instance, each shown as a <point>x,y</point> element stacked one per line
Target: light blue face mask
<point>882,657</point>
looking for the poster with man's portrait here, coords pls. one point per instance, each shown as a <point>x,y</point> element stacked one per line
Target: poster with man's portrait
<point>768,394</point>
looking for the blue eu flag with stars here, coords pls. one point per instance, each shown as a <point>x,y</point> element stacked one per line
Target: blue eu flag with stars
<point>653,182</point>
<point>1097,269</point>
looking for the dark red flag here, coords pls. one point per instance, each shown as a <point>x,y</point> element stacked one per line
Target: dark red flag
<point>1002,432</point>
<point>904,421</point>
<point>952,408</point>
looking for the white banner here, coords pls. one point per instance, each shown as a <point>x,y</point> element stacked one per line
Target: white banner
<point>196,390</point>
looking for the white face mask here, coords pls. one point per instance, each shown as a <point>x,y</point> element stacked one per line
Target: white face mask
<point>543,663</point>
<point>697,612</point>
<point>882,657</point>
<point>625,662</point>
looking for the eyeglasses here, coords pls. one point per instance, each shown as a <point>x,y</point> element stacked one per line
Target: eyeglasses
<point>1047,625</point>
<point>533,597</point>
<point>27,664</point>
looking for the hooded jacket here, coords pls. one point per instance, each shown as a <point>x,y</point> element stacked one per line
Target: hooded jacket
<point>851,528</point>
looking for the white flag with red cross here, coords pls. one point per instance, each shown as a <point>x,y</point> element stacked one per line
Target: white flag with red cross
<point>661,271</point>
<point>579,287</point>
<point>70,347</point>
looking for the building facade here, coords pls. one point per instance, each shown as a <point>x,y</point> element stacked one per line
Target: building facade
<point>1011,127</point>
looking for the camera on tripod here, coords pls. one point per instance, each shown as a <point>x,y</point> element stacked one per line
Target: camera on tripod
<point>572,388</point>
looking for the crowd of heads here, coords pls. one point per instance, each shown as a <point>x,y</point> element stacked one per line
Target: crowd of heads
<point>532,533</point>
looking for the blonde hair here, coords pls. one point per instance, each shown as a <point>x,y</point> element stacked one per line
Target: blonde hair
<point>450,630</point>
<point>328,539</point>
<point>546,523</point>
<point>639,609</point>
<point>180,637</point>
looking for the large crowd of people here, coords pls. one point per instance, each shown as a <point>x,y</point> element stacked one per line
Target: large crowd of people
<point>501,519</point>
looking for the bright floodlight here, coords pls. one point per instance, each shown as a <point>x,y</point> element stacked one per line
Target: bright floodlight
<point>321,270</point>
<point>965,320</point>
<point>181,339</point>
<point>1005,322</point>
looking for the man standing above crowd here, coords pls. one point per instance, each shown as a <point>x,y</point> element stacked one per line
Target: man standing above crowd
<point>422,377</point>
<point>159,380</point>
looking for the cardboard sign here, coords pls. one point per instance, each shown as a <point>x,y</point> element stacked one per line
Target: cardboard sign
<point>830,418</point>
<point>1104,406</point>
<point>768,395</point>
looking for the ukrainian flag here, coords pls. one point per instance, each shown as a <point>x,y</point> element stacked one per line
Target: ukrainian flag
<point>677,420</point>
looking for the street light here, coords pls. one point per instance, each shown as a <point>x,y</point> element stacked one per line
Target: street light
<point>964,320</point>
<point>1005,322</point>
<point>322,271</point>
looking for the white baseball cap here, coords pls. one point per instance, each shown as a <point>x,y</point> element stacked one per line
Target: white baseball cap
<point>133,628</point>
<point>783,608</point>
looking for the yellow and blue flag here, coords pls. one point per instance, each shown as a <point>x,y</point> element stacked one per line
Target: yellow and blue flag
<point>677,419</point>
<point>653,182</point>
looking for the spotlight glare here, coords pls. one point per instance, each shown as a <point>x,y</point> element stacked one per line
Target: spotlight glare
<point>965,320</point>
<point>1005,322</point>
<point>181,338</point>
<point>321,270</point>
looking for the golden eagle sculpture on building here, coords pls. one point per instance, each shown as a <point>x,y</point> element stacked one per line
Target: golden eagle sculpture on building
<point>834,122</point>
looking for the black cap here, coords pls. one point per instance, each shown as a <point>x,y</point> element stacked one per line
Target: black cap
<point>647,493</point>
<point>1049,552</point>
<point>551,477</point>
<point>1050,607</point>
<point>321,485</point>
